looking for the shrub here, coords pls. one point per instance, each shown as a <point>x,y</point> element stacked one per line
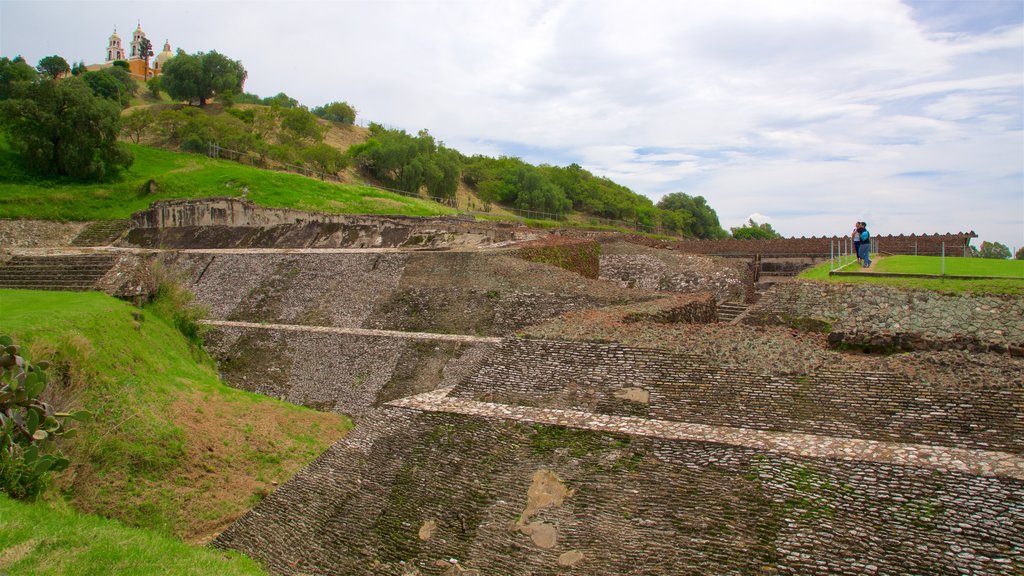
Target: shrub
<point>26,422</point>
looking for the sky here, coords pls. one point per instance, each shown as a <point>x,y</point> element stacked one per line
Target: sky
<point>808,115</point>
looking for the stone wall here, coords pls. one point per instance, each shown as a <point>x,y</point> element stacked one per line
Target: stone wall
<point>634,266</point>
<point>618,380</point>
<point>37,233</point>
<point>881,317</point>
<point>417,493</point>
<point>236,223</point>
<point>448,292</point>
<point>924,245</point>
<point>333,371</point>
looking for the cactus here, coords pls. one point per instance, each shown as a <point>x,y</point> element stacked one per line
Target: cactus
<point>26,423</point>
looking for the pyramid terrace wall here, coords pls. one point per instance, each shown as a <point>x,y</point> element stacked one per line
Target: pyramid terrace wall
<point>335,370</point>
<point>412,491</point>
<point>883,317</point>
<point>236,223</point>
<point>606,378</point>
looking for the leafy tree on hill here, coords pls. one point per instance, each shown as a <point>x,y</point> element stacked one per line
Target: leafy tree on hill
<point>325,158</point>
<point>53,66</point>
<point>201,76</point>
<point>1020,254</point>
<point>12,71</point>
<point>341,112</point>
<point>407,162</point>
<point>705,221</point>
<point>298,125</point>
<point>282,100</point>
<point>994,250</point>
<point>62,128</point>
<point>752,230</point>
<point>113,84</point>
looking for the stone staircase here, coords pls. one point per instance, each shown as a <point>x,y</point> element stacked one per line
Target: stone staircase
<point>75,272</point>
<point>102,233</point>
<point>729,311</point>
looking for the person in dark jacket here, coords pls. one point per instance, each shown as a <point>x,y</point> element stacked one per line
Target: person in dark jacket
<point>864,250</point>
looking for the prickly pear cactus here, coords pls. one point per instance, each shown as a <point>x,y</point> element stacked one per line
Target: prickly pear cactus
<point>27,425</point>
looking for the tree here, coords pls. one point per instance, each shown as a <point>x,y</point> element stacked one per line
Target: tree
<point>53,66</point>
<point>111,83</point>
<point>705,220</point>
<point>1020,254</point>
<point>201,76</point>
<point>136,124</point>
<point>341,112</point>
<point>145,52</point>
<point>752,230</point>
<point>994,250</point>
<point>298,125</point>
<point>26,422</point>
<point>13,71</point>
<point>325,158</point>
<point>63,128</point>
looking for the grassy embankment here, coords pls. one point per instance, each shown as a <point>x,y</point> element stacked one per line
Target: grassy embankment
<point>171,448</point>
<point>179,175</point>
<point>1011,269</point>
<point>39,540</point>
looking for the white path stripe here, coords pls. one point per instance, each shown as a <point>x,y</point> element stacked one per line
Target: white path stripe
<point>356,331</point>
<point>979,462</point>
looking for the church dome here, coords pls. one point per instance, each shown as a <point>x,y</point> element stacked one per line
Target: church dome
<point>164,56</point>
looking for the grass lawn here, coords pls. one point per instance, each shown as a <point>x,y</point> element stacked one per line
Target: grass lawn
<point>179,175</point>
<point>1011,287</point>
<point>41,540</point>
<point>954,266</point>
<point>171,448</point>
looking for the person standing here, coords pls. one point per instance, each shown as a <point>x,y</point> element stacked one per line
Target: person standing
<point>864,249</point>
<point>856,240</point>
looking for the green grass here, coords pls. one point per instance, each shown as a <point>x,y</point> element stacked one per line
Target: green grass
<point>38,540</point>
<point>953,267</point>
<point>171,448</point>
<point>179,175</point>
<point>953,286</point>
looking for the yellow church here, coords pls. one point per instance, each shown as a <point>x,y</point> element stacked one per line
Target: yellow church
<point>136,62</point>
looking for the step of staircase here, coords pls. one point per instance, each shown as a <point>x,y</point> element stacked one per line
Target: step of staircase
<point>729,311</point>
<point>75,272</point>
<point>101,233</point>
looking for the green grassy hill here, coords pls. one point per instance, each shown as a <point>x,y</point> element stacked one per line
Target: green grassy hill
<point>38,540</point>
<point>171,447</point>
<point>179,175</point>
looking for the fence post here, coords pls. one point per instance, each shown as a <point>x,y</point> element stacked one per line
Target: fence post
<point>943,258</point>
<point>832,255</point>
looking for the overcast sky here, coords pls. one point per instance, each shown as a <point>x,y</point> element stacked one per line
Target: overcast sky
<point>807,114</point>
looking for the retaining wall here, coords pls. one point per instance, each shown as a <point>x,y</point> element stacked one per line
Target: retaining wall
<point>338,372</point>
<point>447,292</point>
<point>623,381</point>
<point>906,319</point>
<point>236,223</point>
<point>413,493</point>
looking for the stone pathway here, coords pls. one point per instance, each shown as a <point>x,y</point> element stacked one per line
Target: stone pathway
<point>357,331</point>
<point>979,462</point>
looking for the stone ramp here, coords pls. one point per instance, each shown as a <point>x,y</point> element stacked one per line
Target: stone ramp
<point>102,233</point>
<point>55,272</point>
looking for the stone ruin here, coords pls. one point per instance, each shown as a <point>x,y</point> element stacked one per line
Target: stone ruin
<point>515,417</point>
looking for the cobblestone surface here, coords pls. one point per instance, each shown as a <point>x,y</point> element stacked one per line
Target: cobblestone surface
<point>983,463</point>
